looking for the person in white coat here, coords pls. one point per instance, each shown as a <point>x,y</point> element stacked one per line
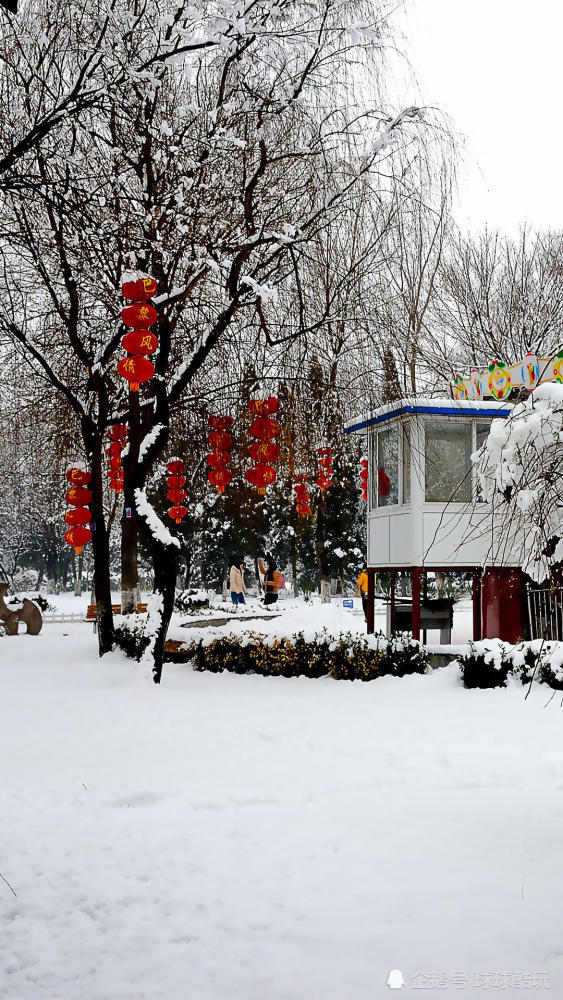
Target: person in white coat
<point>236,582</point>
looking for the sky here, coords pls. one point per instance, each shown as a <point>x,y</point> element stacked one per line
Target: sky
<point>496,67</point>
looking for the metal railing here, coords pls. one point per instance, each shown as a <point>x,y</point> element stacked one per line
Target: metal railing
<point>545,613</point>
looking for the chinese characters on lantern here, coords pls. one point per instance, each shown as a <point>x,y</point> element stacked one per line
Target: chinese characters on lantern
<point>78,517</point>
<point>139,341</point>
<point>176,493</point>
<point>264,450</point>
<point>118,438</point>
<point>219,458</point>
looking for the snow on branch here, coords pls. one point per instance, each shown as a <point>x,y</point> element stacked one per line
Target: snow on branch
<point>157,529</point>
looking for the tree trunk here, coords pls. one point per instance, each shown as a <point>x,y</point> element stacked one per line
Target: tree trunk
<point>129,579</point>
<point>129,530</point>
<point>100,551</point>
<point>165,564</point>
<point>320,548</point>
<point>77,568</point>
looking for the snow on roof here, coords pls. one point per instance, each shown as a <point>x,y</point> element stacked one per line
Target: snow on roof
<point>424,405</point>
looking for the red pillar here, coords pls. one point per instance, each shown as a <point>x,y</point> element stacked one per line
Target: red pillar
<point>476,605</point>
<point>392,606</point>
<point>415,586</point>
<point>371,596</point>
<point>502,603</point>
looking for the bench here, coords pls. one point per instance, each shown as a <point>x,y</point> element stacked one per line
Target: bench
<point>434,614</point>
<point>116,608</point>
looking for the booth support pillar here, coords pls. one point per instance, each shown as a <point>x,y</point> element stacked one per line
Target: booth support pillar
<point>476,605</point>
<point>393,575</point>
<point>415,586</point>
<point>371,598</point>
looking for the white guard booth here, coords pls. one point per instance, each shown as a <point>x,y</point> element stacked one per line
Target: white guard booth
<point>424,511</point>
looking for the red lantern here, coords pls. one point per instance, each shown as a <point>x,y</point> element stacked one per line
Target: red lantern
<point>79,497</point>
<point>220,478</point>
<point>176,494</point>
<point>118,437</point>
<point>135,369</point>
<point>78,515</point>
<point>220,440</point>
<point>264,450</point>
<point>364,478</point>
<point>78,477</point>
<point>175,480</point>
<point>263,407</point>
<point>140,290</point>
<point>78,537</point>
<point>219,458</point>
<point>325,468</point>
<point>261,476</point>
<point>118,432</point>
<point>116,482</point>
<point>264,428</point>
<point>139,342</point>
<point>301,495</point>
<point>176,467</point>
<point>177,513</point>
<point>140,314</point>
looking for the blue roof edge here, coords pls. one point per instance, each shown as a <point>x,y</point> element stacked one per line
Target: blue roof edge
<point>448,410</point>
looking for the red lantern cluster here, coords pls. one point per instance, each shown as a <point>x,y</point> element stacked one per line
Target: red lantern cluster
<point>325,468</point>
<point>139,341</point>
<point>364,477</point>
<point>301,495</point>
<point>219,457</point>
<point>79,516</point>
<point>264,450</point>
<point>118,438</point>
<point>176,492</point>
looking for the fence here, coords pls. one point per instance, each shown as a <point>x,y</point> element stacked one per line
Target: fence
<point>545,613</point>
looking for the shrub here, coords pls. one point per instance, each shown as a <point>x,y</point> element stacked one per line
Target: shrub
<point>348,657</point>
<point>486,665</point>
<point>42,603</point>
<point>190,602</point>
<point>131,640</point>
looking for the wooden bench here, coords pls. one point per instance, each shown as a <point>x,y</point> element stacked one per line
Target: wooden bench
<point>116,608</point>
<point>434,614</point>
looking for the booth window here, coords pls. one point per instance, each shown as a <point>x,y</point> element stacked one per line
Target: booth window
<point>448,462</point>
<point>386,471</point>
<point>406,465</point>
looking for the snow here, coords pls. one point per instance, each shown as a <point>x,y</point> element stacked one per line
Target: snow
<point>158,529</point>
<point>248,837</point>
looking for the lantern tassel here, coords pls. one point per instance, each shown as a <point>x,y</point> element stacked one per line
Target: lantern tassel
<point>78,549</point>
<point>134,386</point>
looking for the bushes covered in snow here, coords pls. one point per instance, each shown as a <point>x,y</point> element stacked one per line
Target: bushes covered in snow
<point>489,663</point>
<point>346,657</point>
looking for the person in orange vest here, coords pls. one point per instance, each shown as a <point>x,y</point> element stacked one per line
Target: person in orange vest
<point>273,580</point>
<point>362,585</point>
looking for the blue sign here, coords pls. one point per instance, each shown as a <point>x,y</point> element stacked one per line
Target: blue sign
<point>348,602</point>
<point>127,512</point>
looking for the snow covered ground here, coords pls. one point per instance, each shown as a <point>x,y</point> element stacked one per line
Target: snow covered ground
<point>250,838</point>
